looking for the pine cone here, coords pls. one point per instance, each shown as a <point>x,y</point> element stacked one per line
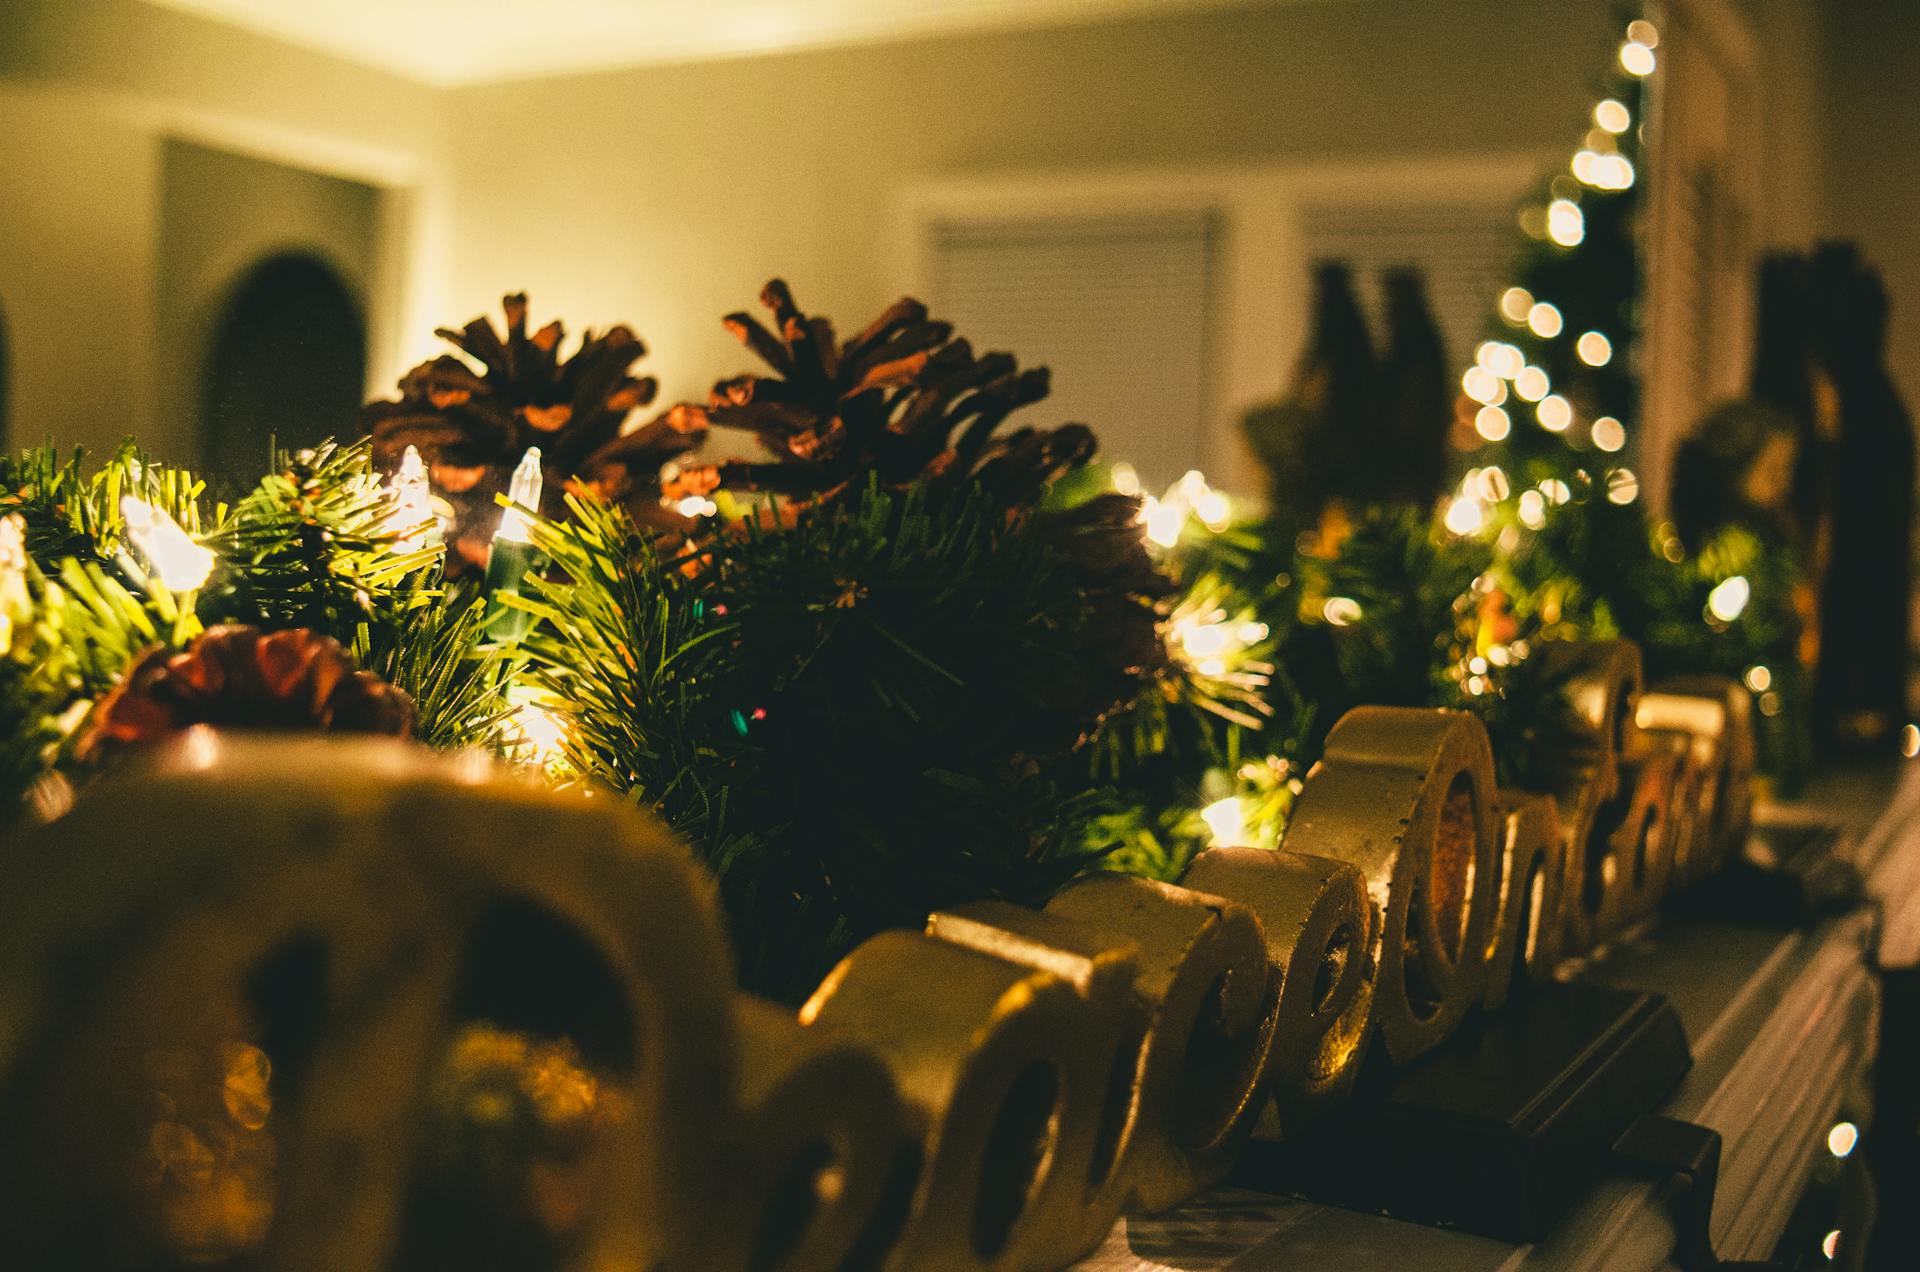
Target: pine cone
<point>902,400</point>
<point>242,678</point>
<point>472,427</point>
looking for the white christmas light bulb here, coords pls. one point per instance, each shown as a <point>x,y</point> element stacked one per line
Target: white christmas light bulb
<point>412,517</point>
<point>1226,822</point>
<point>524,491</point>
<point>182,564</point>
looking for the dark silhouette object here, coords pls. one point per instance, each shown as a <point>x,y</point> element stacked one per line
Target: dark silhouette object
<point>1418,389</point>
<point>1784,376</point>
<point>1860,695</point>
<point>1738,466</point>
<point>1353,428</point>
<point>286,366</point>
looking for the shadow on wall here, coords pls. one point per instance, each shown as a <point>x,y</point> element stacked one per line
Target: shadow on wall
<point>285,365</point>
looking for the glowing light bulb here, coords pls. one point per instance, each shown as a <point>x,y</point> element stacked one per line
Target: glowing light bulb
<point>1842,1138</point>
<point>537,733</point>
<point>1164,520</point>
<point>1532,383</point>
<point>1759,678</point>
<point>1554,413</point>
<point>1622,486</point>
<point>1594,349</point>
<point>182,564</point>
<point>1342,611</point>
<point>14,598</point>
<point>1613,116</point>
<point>1910,741</point>
<point>411,521</point>
<point>1636,58</point>
<point>1609,434</point>
<point>1226,822</point>
<point>1514,304</point>
<point>1501,358</point>
<point>1555,490</point>
<point>1583,166</point>
<point>1729,598</point>
<point>1644,32</point>
<point>1213,510</point>
<point>1533,509</point>
<point>696,506</point>
<point>1566,224</point>
<point>1545,320</point>
<point>524,489</point>
<point>1465,516</point>
<point>1493,484</point>
<point>1492,423</point>
<point>1483,386</point>
<point>1125,479</point>
<point>1830,1244</point>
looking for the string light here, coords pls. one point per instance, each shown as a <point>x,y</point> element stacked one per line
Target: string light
<point>1830,1244</point>
<point>1594,349</point>
<point>1555,490</point>
<point>1566,224</point>
<point>1636,58</point>
<point>1609,434</point>
<point>1532,384</point>
<point>182,564</point>
<point>1644,32</point>
<point>14,598</point>
<point>1613,116</point>
<point>511,557</point>
<point>1492,485</point>
<point>1910,741</point>
<point>1759,678</point>
<point>1622,486</point>
<point>1125,479</point>
<point>1492,423</point>
<point>696,506</point>
<point>1729,598</point>
<point>1501,358</point>
<point>1484,386</point>
<point>1465,516</point>
<point>1842,1139</point>
<point>524,489</point>
<point>1545,320</point>
<point>1555,413</point>
<point>1514,304</point>
<point>1342,611</point>
<point>411,522</point>
<point>1226,822</point>
<point>535,732</point>
<point>1533,509</point>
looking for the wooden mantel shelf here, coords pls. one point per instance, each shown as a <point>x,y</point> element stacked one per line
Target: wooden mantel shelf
<point>1782,1026</point>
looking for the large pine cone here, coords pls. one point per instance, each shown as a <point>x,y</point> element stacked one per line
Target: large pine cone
<point>240,677</point>
<point>472,427</point>
<point>902,401</point>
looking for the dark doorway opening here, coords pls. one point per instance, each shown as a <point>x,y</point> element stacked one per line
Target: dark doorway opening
<point>287,366</point>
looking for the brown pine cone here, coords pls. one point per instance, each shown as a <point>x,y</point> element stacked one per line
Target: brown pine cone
<point>901,400</point>
<point>240,677</point>
<point>472,427</point>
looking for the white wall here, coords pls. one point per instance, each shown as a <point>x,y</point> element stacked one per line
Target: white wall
<point>666,196</point>
<point>89,92</point>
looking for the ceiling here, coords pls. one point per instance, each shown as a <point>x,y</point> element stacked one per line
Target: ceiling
<point>452,42</point>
